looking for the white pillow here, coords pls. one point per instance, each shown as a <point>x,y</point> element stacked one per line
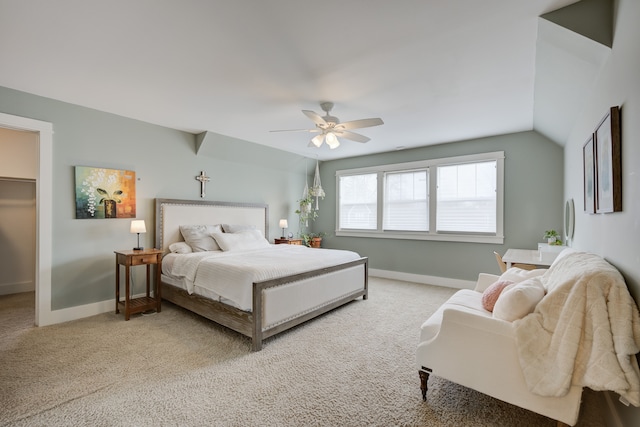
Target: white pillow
<point>199,237</point>
<point>236,228</point>
<point>249,239</point>
<point>180,248</point>
<point>517,275</point>
<point>518,299</point>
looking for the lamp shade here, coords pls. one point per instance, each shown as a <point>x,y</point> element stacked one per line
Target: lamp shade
<point>137,226</point>
<point>284,223</point>
<point>317,140</point>
<point>332,141</point>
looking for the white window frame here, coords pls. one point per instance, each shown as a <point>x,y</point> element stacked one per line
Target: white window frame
<point>432,234</point>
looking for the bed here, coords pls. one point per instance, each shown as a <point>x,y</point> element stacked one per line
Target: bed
<point>278,295</point>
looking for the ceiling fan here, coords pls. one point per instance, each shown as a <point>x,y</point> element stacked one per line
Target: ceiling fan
<point>330,128</point>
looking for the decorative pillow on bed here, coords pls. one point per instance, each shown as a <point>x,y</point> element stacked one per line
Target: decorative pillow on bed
<point>180,248</point>
<point>199,237</point>
<point>237,228</point>
<point>248,239</point>
<point>518,300</point>
<point>491,294</point>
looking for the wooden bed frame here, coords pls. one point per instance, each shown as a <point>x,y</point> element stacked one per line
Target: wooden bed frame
<point>252,323</point>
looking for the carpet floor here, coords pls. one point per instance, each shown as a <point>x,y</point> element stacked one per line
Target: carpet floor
<point>354,366</point>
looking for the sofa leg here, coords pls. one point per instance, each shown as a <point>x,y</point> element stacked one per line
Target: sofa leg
<point>424,377</point>
<point>561,424</point>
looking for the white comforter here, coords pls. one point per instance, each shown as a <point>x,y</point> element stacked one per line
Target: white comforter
<point>585,332</point>
<point>231,274</point>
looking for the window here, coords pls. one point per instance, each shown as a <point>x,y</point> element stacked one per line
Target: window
<point>455,199</point>
<point>358,200</point>
<point>467,198</point>
<point>405,201</point>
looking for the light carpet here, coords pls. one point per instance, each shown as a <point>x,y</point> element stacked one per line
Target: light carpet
<point>354,366</point>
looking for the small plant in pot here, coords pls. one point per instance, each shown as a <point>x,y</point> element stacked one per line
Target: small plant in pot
<point>552,237</point>
<point>312,240</point>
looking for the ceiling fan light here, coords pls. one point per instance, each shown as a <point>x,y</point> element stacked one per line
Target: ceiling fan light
<point>317,140</point>
<point>332,141</point>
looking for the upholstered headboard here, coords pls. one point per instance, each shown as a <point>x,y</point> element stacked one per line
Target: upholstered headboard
<point>172,213</point>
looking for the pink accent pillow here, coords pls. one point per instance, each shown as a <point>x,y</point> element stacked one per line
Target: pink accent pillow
<point>491,294</point>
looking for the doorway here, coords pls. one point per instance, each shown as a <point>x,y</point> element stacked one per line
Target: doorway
<point>17,234</point>
<point>43,210</point>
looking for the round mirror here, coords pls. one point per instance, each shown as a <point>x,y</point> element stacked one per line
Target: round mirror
<point>569,213</point>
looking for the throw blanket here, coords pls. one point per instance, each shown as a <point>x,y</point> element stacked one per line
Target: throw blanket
<point>585,331</point>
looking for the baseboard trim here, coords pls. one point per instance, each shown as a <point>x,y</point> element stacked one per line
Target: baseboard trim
<point>419,278</point>
<point>81,311</point>
<point>17,288</point>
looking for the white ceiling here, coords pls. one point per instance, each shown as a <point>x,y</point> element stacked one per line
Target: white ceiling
<point>435,71</point>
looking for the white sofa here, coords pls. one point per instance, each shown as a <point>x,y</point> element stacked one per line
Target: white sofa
<point>465,343</point>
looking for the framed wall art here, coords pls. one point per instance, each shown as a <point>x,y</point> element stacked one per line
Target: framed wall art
<point>608,160</point>
<point>589,171</point>
<point>105,193</point>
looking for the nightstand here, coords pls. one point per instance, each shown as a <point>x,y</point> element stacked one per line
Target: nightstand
<point>288,241</point>
<point>128,258</point>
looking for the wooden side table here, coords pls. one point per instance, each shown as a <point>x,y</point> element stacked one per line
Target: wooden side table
<point>288,241</point>
<point>146,257</point>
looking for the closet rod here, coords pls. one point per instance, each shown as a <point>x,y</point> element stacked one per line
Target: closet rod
<point>5,178</point>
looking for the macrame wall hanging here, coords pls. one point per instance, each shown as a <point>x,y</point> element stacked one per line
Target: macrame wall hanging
<point>306,209</point>
<point>316,190</point>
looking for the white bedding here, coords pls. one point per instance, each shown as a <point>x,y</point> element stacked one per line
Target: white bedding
<point>231,274</point>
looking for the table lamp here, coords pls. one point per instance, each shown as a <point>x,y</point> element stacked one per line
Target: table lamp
<point>283,225</point>
<point>137,226</point>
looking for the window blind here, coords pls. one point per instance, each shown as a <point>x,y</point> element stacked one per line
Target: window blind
<point>406,206</point>
<point>358,202</point>
<point>467,198</point>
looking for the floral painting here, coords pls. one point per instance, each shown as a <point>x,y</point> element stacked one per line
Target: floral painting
<point>105,193</point>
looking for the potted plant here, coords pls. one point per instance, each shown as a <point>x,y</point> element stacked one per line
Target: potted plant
<point>305,211</point>
<point>313,240</point>
<point>552,237</point>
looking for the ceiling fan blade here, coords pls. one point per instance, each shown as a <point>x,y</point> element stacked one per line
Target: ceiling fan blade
<point>351,135</point>
<point>315,117</point>
<point>296,130</point>
<point>358,124</point>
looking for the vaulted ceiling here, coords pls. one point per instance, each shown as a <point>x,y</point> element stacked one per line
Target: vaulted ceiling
<point>435,71</point>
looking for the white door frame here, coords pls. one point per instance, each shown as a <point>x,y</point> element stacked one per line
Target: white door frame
<point>44,210</point>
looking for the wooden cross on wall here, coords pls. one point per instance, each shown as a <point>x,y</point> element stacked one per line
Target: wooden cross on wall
<point>203,178</point>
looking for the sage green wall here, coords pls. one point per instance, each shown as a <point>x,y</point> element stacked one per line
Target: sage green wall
<point>614,236</point>
<point>533,203</point>
<point>165,163</point>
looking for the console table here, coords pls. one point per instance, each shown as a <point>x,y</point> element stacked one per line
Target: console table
<point>527,256</point>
